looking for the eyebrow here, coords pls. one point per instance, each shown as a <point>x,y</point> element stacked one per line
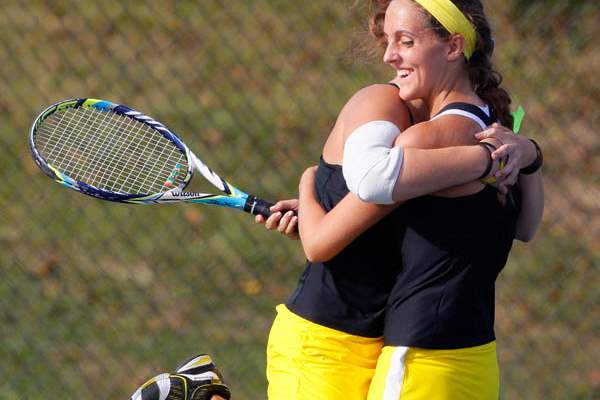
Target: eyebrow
<point>400,32</point>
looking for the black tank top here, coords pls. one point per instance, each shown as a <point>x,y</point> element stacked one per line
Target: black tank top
<point>452,251</point>
<point>349,292</point>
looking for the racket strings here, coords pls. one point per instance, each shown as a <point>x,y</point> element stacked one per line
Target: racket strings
<point>109,151</point>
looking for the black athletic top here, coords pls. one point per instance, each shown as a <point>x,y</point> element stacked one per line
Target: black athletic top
<point>350,291</point>
<point>452,251</point>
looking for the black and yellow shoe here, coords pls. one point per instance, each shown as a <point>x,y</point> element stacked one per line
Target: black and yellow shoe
<point>196,379</point>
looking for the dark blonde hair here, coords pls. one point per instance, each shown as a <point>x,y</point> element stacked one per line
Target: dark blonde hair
<point>485,80</point>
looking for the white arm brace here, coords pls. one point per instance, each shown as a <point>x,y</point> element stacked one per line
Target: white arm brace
<point>371,164</point>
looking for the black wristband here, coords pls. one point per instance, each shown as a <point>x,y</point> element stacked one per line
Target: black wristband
<point>536,164</point>
<point>488,147</point>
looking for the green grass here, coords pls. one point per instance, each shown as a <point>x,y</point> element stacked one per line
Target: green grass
<point>95,298</point>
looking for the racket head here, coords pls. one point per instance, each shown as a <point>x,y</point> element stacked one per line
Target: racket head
<point>109,151</point>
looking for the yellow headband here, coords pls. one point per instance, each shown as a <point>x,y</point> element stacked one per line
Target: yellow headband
<point>453,20</point>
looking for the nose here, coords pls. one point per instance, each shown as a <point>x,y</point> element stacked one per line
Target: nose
<point>391,54</point>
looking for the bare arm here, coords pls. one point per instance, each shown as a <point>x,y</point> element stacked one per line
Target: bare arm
<point>532,206</point>
<point>376,102</point>
<point>427,171</point>
<point>532,186</point>
<point>439,155</point>
<point>324,235</point>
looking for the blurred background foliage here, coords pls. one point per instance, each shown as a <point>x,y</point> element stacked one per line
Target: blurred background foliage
<point>96,297</point>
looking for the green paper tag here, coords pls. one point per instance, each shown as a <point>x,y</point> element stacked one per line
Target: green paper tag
<point>518,119</point>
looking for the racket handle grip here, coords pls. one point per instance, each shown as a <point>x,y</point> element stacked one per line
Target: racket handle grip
<point>256,206</point>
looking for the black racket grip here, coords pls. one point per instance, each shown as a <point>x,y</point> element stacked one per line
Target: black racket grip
<point>256,206</point>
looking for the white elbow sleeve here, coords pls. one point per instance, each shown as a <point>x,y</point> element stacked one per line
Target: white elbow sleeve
<point>371,164</point>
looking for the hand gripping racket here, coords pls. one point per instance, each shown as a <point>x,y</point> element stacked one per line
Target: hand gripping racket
<point>112,152</point>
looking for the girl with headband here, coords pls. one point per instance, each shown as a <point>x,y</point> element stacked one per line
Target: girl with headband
<point>325,341</point>
<point>439,328</point>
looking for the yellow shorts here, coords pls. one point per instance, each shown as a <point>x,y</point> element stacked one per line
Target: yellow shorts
<point>407,373</point>
<point>309,361</point>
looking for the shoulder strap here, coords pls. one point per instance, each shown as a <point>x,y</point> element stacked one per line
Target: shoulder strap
<point>482,116</point>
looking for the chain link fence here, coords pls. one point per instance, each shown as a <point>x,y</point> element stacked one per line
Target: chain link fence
<point>96,297</point>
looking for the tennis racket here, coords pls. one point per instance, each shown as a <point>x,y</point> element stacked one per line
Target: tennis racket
<point>112,152</point>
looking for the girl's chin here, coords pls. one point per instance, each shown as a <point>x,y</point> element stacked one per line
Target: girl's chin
<point>406,94</point>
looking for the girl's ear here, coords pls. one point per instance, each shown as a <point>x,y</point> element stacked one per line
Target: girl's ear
<point>456,46</point>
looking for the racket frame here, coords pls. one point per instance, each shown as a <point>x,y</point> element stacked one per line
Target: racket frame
<point>232,197</point>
